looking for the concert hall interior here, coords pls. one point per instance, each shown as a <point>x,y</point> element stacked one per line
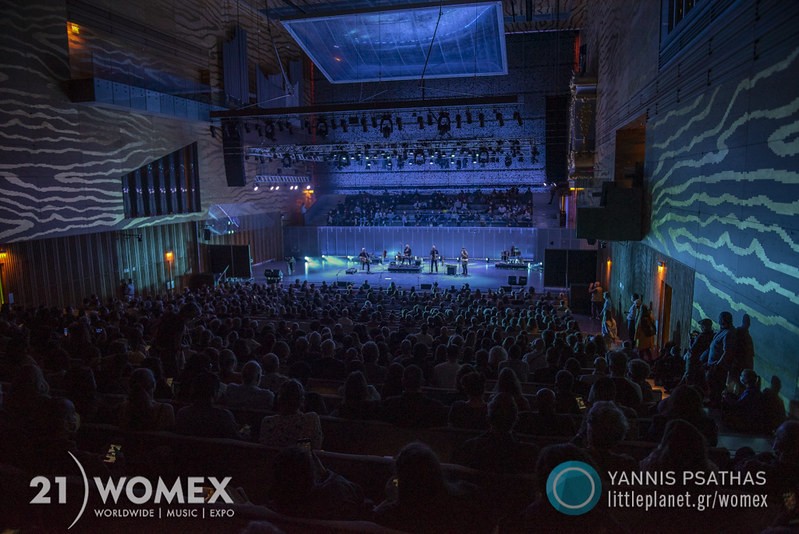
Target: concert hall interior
<point>308,185</point>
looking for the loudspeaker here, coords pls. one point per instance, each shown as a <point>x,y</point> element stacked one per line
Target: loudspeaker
<point>426,287</point>
<point>206,234</point>
<point>233,152</point>
<point>522,280</point>
<point>452,270</point>
<point>579,299</point>
<point>511,280</point>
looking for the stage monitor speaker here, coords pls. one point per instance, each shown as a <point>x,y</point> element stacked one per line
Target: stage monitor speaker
<point>579,299</point>
<point>511,280</point>
<point>426,287</point>
<point>522,280</point>
<point>452,270</point>
<point>233,152</point>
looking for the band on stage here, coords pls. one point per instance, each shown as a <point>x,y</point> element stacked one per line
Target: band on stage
<point>406,257</point>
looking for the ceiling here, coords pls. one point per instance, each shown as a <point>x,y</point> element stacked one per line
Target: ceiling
<point>402,42</point>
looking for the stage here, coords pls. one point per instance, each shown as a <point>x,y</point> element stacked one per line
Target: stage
<point>332,269</point>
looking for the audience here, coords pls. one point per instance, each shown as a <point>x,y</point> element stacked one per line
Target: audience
<point>290,426</point>
<point>140,411</point>
<point>201,418</point>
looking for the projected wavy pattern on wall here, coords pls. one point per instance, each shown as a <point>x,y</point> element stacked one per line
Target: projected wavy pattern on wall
<point>725,200</point>
<point>62,163</point>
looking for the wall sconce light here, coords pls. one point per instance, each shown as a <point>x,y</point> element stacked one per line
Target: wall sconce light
<point>169,256</point>
<point>661,267</point>
<point>74,28</point>
<point>609,263</point>
<point>3,254</point>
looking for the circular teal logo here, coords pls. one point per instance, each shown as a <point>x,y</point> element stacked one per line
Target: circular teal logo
<point>574,488</point>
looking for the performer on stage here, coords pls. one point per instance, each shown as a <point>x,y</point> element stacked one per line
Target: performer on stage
<point>364,257</point>
<point>407,254</point>
<point>433,259</point>
<point>514,251</point>
<point>465,261</point>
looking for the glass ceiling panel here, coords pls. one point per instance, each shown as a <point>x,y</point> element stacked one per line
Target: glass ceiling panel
<point>394,45</point>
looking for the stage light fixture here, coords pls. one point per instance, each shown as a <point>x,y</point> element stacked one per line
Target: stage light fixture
<point>458,120</point>
<point>420,120</point>
<point>444,124</point>
<point>364,124</point>
<point>321,128</point>
<point>500,120</point>
<point>429,118</point>
<point>386,126</point>
<point>398,120</point>
<point>374,121</point>
<point>343,125</point>
<point>518,117</point>
<point>468,117</point>
<point>482,119</point>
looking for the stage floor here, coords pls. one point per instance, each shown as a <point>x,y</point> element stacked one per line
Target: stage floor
<point>482,275</point>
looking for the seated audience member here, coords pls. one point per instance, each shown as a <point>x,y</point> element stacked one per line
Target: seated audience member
<point>425,502</point>
<point>606,426</point>
<point>140,411</point>
<point>328,366</point>
<point>745,412</point>
<point>541,516</point>
<point>498,450</point>
<point>546,375</point>
<point>227,367</point>
<point>683,448</point>
<point>627,393</point>
<point>314,402</point>
<point>546,421</point>
<point>163,388</point>
<point>272,379</point>
<point>392,386</point>
<point>684,403</point>
<point>470,413</point>
<point>291,426</point>
<point>248,394</point>
<point>565,398</point>
<point>508,383</point>
<point>47,451</point>
<point>304,488</point>
<point>374,372</point>
<point>638,371</point>
<point>357,400</point>
<point>81,389</point>
<point>781,467</point>
<point>201,418</point>
<point>773,406</point>
<point>412,408</point>
<point>516,364</point>
<point>445,372</point>
<point>600,370</point>
<point>26,403</point>
<point>536,358</point>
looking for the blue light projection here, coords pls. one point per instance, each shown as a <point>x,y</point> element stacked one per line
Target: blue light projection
<point>467,40</point>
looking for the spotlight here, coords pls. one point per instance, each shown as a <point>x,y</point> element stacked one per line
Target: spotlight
<point>269,130</point>
<point>307,187</point>
<point>482,119</point>
<point>458,120</point>
<point>468,117</point>
<point>399,123</point>
<point>321,128</point>
<point>386,126</point>
<point>429,118</point>
<point>374,121</point>
<point>363,124</point>
<point>444,124</point>
<point>500,120</point>
<point>420,120</point>
<point>277,188</point>
<point>286,160</point>
<point>518,117</point>
<point>255,187</point>
<point>343,125</point>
